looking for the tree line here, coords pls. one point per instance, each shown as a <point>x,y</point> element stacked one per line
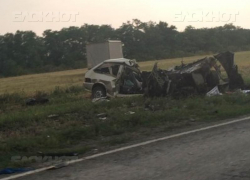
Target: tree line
<point>25,52</point>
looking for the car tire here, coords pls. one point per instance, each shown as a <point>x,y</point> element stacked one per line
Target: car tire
<point>98,92</point>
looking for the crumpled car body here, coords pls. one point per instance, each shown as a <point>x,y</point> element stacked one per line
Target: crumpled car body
<point>113,77</point>
<point>235,79</point>
<point>198,77</point>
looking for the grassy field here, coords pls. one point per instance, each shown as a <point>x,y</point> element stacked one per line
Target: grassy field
<point>75,126</point>
<point>48,81</point>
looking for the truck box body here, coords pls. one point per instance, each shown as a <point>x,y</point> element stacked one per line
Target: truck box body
<point>99,52</point>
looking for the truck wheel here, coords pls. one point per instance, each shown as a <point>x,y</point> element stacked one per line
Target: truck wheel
<point>98,92</point>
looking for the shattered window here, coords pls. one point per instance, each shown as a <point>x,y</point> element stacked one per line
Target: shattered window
<point>115,69</point>
<point>103,69</point>
<point>111,69</point>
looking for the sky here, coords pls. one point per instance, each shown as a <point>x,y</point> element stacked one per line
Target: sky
<point>40,15</point>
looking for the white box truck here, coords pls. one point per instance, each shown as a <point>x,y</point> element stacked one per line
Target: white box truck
<point>99,52</point>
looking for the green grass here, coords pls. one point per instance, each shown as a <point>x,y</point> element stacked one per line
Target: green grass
<point>25,130</point>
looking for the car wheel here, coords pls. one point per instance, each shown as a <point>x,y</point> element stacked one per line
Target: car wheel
<point>98,92</point>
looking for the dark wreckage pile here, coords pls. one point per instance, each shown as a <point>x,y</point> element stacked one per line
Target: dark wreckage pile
<point>209,75</point>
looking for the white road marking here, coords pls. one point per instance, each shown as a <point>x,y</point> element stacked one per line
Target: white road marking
<point>130,147</point>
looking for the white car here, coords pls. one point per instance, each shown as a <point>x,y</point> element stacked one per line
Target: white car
<point>113,77</point>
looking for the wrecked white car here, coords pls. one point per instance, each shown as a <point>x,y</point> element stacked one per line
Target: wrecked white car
<point>114,77</point>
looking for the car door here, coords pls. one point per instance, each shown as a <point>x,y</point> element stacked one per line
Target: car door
<point>105,75</point>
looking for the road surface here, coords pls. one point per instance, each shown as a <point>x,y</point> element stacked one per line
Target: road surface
<point>216,154</point>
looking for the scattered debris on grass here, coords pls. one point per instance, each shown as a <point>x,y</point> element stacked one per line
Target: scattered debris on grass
<point>130,113</point>
<point>245,91</point>
<point>102,116</point>
<point>214,92</point>
<point>52,116</point>
<point>102,99</point>
<point>34,101</point>
<point>151,107</point>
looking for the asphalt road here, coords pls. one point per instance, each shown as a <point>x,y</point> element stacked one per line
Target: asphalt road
<point>215,154</point>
